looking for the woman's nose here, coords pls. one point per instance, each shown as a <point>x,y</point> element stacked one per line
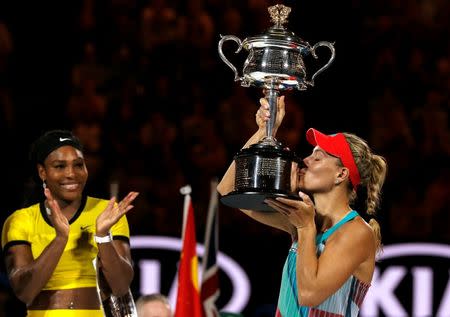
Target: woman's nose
<point>70,171</point>
<point>305,161</point>
<point>301,163</point>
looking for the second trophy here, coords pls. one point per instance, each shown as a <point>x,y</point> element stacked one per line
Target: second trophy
<point>275,63</point>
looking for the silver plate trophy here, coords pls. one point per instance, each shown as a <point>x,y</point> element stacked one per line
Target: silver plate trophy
<point>274,63</point>
<point>112,305</point>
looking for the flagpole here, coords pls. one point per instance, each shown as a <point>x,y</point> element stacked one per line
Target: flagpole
<point>188,295</point>
<point>210,219</point>
<point>209,290</point>
<point>186,191</point>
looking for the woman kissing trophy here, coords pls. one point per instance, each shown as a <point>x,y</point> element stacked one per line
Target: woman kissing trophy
<point>274,63</point>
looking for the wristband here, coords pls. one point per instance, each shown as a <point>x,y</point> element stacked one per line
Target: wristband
<point>106,239</point>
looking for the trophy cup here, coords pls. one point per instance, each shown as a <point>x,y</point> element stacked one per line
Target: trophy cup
<point>274,63</point>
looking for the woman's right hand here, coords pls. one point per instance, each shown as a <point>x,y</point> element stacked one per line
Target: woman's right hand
<point>58,220</point>
<point>263,113</point>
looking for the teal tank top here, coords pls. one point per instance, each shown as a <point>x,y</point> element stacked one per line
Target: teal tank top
<point>345,302</point>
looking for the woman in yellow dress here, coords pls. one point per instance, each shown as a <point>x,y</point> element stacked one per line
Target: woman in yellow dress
<point>49,247</point>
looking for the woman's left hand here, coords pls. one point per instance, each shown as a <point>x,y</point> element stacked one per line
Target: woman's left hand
<point>300,213</point>
<point>113,212</point>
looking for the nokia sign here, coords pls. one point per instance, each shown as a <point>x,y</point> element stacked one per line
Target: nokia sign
<point>411,279</point>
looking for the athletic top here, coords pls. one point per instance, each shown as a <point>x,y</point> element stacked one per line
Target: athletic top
<point>31,226</point>
<point>345,302</point>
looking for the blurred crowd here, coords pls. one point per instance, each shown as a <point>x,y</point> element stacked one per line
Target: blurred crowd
<point>142,85</point>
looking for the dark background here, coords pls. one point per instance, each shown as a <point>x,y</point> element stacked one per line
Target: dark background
<point>141,83</point>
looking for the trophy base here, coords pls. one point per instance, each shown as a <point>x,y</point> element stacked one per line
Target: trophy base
<point>253,200</point>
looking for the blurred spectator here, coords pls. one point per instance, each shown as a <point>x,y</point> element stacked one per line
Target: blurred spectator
<point>89,68</point>
<point>159,25</point>
<point>390,132</point>
<point>435,207</point>
<point>86,104</point>
<point>6,48</point>
<point>153,305</point>
<point>235,116</point>
<point>433,121</point>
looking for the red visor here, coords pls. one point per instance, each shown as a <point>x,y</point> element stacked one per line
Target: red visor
<point>337,145</point>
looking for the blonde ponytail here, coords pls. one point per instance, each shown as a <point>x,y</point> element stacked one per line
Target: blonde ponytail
<point>377,233</point>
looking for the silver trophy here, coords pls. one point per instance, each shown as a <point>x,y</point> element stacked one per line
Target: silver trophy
<point>274,63</point>
<point>112,305</point>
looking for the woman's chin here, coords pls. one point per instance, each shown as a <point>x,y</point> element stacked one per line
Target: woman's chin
<point>71,196</point>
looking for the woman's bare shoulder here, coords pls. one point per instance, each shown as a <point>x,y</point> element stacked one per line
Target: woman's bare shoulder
<point>357,231</point>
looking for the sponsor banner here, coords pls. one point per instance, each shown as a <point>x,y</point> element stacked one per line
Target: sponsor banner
<point>410,279</point>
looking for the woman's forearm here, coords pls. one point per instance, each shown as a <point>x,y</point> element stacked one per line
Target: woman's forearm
<point>116,268</point>
<point>28,280</point>
<point>307,265</point>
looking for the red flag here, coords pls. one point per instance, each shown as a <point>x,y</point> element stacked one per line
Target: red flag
<point>188,297</point>
<point>210,290</point>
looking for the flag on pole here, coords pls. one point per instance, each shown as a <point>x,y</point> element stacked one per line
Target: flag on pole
<point>188,296</point>
<point>210,289</point>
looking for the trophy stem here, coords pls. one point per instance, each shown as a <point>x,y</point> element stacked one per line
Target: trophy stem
<point>271,94</point>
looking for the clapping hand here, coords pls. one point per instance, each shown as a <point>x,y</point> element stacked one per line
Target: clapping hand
<point>57,218</point>
<point>113,212</point>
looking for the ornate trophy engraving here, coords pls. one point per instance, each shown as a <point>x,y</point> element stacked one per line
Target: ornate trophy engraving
<point>274,63</point>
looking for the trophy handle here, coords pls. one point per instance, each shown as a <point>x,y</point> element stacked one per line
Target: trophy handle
<point>222,56</point>
<point>313,52</point>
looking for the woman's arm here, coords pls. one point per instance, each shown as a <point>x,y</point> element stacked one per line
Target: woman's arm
<point>345,252</point>
<point>115,256</point>
<point>27,275</point>
<point>116,265</point>
<point>226,184</point>
<point>318,278</point>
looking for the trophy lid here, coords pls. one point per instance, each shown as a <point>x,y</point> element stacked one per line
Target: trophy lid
<point>278,34</point>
